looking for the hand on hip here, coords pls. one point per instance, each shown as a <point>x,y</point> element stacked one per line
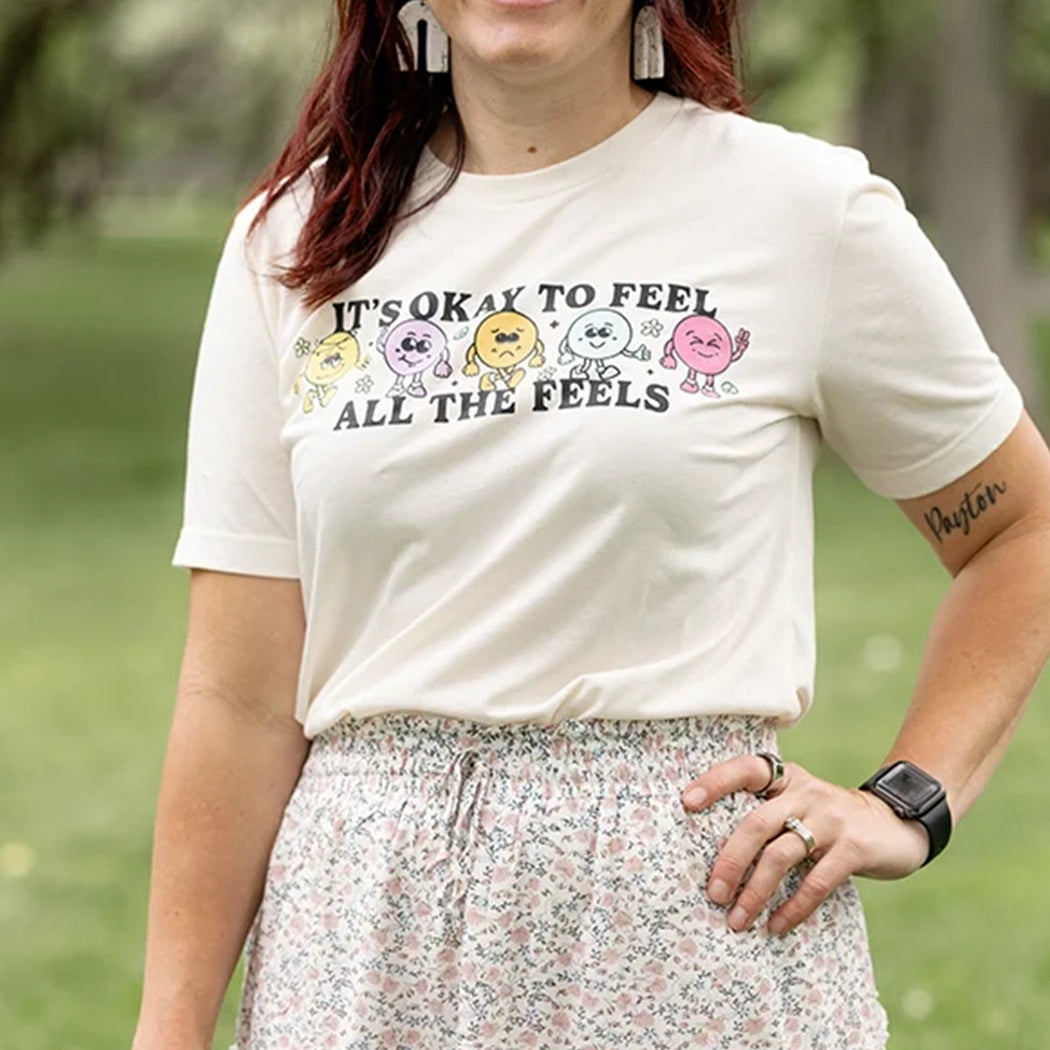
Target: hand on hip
<point>840,831</point>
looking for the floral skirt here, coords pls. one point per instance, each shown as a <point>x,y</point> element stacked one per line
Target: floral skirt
<point>444,884</point>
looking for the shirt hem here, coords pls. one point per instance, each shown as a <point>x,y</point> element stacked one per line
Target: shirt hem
<point>951,463</point>
<point>229,552</point>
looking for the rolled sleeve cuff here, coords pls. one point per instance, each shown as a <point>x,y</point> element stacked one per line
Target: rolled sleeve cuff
<point>951,462</point>
<point>227,552</point>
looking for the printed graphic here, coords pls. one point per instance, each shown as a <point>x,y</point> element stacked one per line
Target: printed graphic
<point>606,336</point>
<point>704,346</point>
<point>501,342</point>
<point>328,362</point>
<point>410,348</point>
<point>595,337</point>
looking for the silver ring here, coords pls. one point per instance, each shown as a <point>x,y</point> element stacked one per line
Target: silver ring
<point>800,829</point>
<point>776,773</point>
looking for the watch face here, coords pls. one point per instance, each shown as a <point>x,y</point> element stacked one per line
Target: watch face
<point>910,787</point>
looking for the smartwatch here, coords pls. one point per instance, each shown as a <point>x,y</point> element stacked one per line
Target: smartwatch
<point>915,795</point>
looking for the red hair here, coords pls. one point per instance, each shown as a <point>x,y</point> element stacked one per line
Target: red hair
<point>369,121</point>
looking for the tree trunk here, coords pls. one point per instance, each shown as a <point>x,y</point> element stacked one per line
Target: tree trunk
<point>977,185</point>
<point>891,114</point>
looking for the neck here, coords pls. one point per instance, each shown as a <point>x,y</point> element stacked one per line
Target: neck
<point>511,127</point>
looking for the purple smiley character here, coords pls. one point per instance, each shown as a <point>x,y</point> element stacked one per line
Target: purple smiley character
<point>409,349</point>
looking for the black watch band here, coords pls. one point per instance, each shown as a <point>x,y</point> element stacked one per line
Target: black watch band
<point>914,795</point>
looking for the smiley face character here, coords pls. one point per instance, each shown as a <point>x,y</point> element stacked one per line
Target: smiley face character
<point>501,342</point>
<point>705,347</point>
<point>328,362</point>
<point>592,339</point>
<point>410,348</point>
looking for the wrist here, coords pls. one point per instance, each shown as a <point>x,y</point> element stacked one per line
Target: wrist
<point>949,777</point>
<point>912,828</point>
<point>916,797</point>
<point>171,1033</point>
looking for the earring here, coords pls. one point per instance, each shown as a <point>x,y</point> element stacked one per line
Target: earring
<point>429,41</point>
<point>648,57</point>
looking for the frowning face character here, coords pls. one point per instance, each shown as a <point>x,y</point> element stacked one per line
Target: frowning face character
<point>503,341</point>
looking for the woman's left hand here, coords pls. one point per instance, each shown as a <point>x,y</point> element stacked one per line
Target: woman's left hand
<point>856,833</point>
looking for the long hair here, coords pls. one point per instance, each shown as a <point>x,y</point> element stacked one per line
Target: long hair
<point>369,122</point>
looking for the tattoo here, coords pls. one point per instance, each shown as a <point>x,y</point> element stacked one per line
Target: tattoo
<point>973,505</point>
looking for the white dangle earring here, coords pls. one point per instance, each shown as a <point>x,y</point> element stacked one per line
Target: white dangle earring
<point>648,50</point>
<point>429,41</point>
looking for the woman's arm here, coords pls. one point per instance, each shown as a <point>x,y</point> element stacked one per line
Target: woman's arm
<point>989,640</point>
<point>234,754</point>
<point>991,633</point>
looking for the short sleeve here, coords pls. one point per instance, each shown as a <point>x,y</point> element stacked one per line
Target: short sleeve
<point>906,388</point>
<point>239,510</point>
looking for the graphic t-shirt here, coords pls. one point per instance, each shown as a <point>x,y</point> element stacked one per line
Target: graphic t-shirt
<point>552,456</point>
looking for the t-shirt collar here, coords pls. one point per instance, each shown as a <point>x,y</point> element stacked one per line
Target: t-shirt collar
<point>591,165</point>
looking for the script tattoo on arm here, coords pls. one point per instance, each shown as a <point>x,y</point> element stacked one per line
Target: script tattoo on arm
<point>975,503</point>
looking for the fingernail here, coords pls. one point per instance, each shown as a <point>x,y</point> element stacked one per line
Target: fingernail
<point>718,891</point>
<point>695,796</point>
<point>777,924</point>
<point>738,918</point>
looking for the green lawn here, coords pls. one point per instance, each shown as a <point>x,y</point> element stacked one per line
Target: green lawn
<point>98,344</point>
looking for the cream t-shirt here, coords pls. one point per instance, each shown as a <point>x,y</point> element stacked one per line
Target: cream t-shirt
<point>552,456</point>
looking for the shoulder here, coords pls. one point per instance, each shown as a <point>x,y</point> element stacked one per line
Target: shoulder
<point>802,175</point>
<point>256,253</point>
<point>269,242</point>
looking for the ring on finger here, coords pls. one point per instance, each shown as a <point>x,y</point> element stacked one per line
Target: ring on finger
<point>776,773</point>
<point>796,826</point>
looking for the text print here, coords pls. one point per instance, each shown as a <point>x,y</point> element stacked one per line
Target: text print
<point>972,506</point>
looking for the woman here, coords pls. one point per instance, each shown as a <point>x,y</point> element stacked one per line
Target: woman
<point>498,505</point>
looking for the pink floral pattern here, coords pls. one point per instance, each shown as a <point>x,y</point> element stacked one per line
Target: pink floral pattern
<point>440,884</point>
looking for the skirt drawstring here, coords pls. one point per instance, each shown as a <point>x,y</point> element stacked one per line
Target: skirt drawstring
<point>460,770</point>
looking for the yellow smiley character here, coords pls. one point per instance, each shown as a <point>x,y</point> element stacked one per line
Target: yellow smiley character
<point>327,363</point>
<point>502,341</point>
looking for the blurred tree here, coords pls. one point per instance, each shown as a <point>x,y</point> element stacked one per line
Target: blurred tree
<point>56,135</point>
<point>897,81</point>
<point>164,96</point>
<point>216,86</point>
<point>950,100</point>
<point>977,164</point>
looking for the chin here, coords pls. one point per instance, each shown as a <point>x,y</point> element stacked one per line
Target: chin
<point>529,49</point>
<point>518,36</point>
<point>523,60</point>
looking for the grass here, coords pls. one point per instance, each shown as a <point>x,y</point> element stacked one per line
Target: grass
<point>98,342</point>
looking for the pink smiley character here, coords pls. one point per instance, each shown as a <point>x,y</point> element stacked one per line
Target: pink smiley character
<point>706,348</point>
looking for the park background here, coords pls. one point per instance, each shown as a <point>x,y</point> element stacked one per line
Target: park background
<point>129,131</point>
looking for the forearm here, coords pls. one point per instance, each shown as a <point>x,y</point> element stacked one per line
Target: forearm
<point>989,640</point>
<point>227,777</point>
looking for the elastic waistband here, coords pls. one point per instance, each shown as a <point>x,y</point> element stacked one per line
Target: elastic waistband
<point>424,744</point>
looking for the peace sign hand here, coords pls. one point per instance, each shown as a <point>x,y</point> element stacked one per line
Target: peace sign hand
<point>855,833</point>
